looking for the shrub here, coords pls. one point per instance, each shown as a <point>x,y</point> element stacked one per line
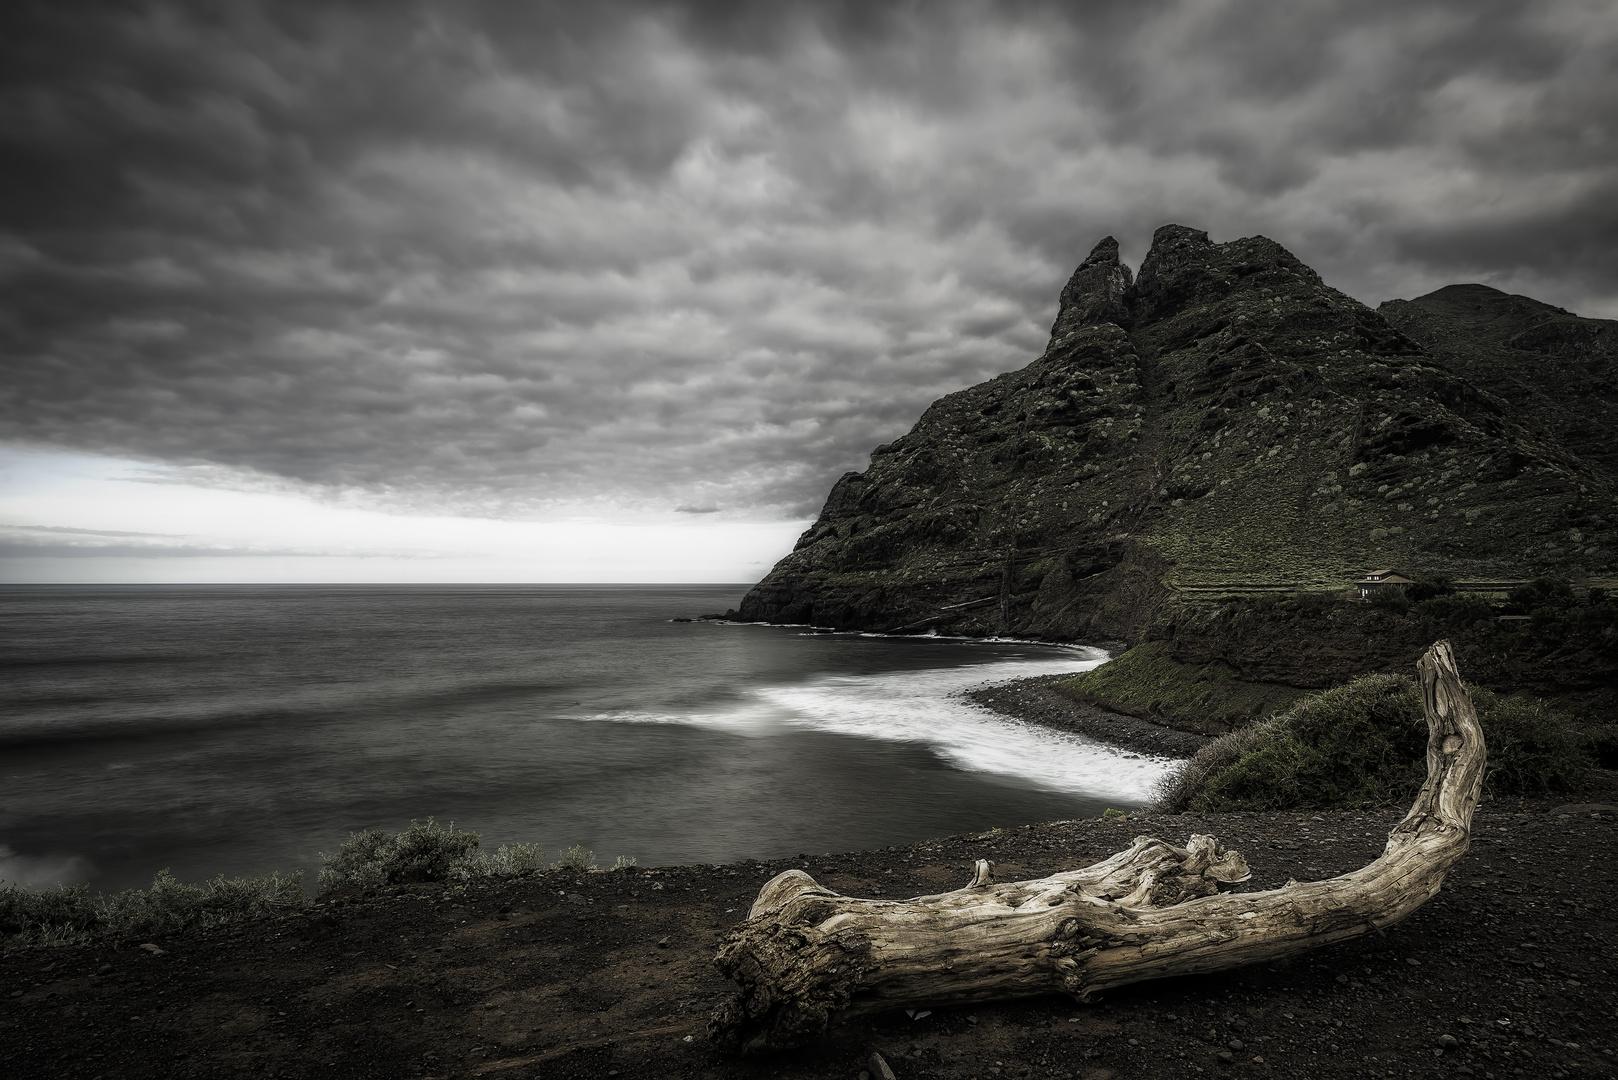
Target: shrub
<point>1458,610</point>
<point>507,861</point>
<point>1365,744</point>
<point>1179,788</point>
<point>371,858</point>
<point>1553,593</point>
<point>1390,598</point>
<point>422,852</point>
<point>1533,749</point>
<point>72,915</point>
<point>1312,603</point>
<point>1427,588</point>
<point>577,858</point>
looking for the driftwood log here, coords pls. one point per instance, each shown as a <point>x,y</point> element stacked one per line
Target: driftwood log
<point>807,957</point>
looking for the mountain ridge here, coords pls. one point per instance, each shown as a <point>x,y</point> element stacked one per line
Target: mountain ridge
<point>1221,418</point>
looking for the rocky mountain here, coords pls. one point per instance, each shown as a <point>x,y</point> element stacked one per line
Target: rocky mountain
<point>1224,420</point>
<point>1557,370</point>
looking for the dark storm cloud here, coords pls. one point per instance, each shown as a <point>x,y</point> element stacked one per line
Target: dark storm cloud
<point>494,258</point>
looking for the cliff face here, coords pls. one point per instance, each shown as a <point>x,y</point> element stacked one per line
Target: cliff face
<point>1222,419</point>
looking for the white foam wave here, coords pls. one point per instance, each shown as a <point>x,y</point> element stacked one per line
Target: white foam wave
<point>923,707</point>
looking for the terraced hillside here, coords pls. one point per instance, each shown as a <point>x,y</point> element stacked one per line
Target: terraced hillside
<point>1223,419</point>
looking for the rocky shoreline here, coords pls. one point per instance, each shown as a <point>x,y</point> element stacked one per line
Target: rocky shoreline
<point>1032,701</point>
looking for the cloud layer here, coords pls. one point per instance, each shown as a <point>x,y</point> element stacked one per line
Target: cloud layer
<point>514,260</point>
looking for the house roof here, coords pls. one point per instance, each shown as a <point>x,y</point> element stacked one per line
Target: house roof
<point>1384,577</point>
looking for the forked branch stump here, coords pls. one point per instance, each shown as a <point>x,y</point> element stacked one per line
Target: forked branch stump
<point>807,957</point>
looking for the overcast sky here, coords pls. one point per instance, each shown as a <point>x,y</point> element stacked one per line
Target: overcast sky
<point>641,266</point>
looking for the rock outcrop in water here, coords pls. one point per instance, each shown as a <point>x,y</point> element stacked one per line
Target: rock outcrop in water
<point>1224,419</point>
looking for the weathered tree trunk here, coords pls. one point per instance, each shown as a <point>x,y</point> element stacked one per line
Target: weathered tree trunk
<point>807,957</point>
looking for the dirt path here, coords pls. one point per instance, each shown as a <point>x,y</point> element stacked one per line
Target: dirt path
<point>609,974</point>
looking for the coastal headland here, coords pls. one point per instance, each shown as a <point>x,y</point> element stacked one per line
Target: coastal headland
<point>1205,458</point>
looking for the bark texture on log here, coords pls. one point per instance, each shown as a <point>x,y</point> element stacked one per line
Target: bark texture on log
<point>807,956</point>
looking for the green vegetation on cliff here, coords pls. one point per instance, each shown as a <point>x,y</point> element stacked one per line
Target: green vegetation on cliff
<point>1148,681</point>
<point>1218,664</point>
<point>1365,744</point>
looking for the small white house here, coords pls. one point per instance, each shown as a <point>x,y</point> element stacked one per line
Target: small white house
<point>1380,579</point>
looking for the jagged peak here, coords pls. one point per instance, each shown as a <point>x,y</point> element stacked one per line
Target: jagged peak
<point>1105,252</point>
<point>1171,236</point>
<point>1184,268</point>
<point>1098,292</point>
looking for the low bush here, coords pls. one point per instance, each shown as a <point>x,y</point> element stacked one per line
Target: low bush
<point>1553,593</point>
<point>1365,744</point>
<point>577,858</point>
<point>72,915</point>
<point>1389,598</point>
<point>1454,610</point>
<point>508,860</point>
<point>1533,749</point>
<point>1428,588</point>
<point>1182,787</point>
<point>1312,603</point>
<point>422,852</point>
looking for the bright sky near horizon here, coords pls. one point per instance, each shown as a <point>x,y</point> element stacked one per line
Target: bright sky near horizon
<point>464,290</point>
<point>124,521</point>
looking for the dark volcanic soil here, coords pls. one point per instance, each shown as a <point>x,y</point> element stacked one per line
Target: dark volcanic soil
<point>610,974</point>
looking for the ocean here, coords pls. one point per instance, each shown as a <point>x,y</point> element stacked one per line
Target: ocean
<point>241,729</point>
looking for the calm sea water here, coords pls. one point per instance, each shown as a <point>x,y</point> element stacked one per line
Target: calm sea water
<point>239,729</point>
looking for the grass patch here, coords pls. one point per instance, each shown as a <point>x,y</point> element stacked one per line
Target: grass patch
<point>72,915</point>
<point>1365,744</point>
<point>1146,681</point>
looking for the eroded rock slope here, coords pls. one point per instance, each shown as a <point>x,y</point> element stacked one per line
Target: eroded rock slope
<point>1223,419</point>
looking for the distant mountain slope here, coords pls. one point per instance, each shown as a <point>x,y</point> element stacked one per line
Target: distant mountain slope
<point>1225,418</point>
<point>1557,370</point>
